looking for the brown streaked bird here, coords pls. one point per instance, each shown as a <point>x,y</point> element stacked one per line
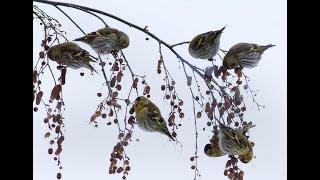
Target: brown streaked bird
<point>205,45</point>
<point>104,40</point>
<point>72,55</point>
<point>244,55</point>
<point>234,142</point>
<point>149,117</point>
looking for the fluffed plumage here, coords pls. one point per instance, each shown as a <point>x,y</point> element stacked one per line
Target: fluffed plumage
<point>206,45</point>
<point>104,40</point>
<point>245,55</point>
<point>234,142</point>
<point>72,55</point>
<point>149,117</point>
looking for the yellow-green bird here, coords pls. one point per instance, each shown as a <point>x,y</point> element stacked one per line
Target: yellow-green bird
<point>104,40</point>
<point>245,55</point>
<point>234,142</point>
<point>213,150</point>
<point>205,45</point>
<point>149,117</point>
<point>72,55</point>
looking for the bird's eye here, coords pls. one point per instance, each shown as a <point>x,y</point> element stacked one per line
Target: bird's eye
<point>207,147</point>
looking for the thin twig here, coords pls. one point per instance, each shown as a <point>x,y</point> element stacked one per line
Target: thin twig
<point>185,42</point>
<point>132,74</point>
<point>196,171</point>
<point>251,93</point>
<point>70,19</point>
<point>105,76</point>
<point>96,17</point>
<point>224,51</point>
<point>51,73</point>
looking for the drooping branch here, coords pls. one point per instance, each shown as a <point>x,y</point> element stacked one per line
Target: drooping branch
<point>226,103</point>
<point>103,71</point>
<point>70,19</point>
<point>183,61</point>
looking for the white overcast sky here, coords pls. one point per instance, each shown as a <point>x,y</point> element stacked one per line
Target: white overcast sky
<point>87,149</point>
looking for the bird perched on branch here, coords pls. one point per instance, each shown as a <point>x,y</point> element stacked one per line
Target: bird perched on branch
<point>245,55</point>
<point>104,40</point>
<point>213,149</point>
<point>149,118</point>
<point>206,45</point>
<point>234,142</point>
<point>72,55</point>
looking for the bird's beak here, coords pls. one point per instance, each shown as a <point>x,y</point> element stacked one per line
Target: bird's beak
<point>81,39</point>
<point>221,30</point>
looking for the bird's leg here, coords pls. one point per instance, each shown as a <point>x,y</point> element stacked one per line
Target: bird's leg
<point>224,51</point>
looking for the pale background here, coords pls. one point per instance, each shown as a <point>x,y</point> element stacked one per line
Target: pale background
<point>87,149</point>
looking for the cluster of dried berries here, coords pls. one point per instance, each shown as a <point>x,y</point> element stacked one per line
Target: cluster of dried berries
<point>54,118</point>
<point>171,96</point>
<point>118,155</point>
<point>194,166</point>
<point>192,159</point>
<point>111,104</point>
<point>231,107</point>
<point>232,170</point>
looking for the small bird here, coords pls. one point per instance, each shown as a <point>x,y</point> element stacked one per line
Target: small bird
<point>104,40</point>
<point>206,45</point>
<point>72,55</point>
<point>149,118</point>
<point>234,142</point>
<point>245,55</point>
<point>213,150</point>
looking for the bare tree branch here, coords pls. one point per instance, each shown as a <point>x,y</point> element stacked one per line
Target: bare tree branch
<point>178,44</point>
<point>224,105</point>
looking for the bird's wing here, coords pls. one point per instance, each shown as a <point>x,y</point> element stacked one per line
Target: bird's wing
<point>83,54</point>
<point>71,48</point>
<point>244,143</point>
<point>108,32</point>
<point>155,116</point>
<point>203,39</point>
<point>241,47</point>
<point>77,52</point>
<point>89,37</point>
<point>93,34</point>
<point>229,133</point>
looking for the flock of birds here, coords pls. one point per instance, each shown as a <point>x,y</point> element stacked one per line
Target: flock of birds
<point>148,116</point>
